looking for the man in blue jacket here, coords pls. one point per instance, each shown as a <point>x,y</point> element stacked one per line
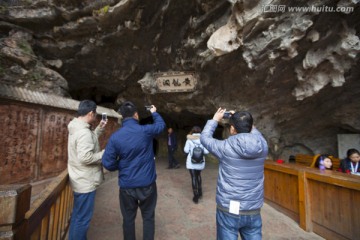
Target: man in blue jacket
<point>240,184</point>
<point>130,151</point>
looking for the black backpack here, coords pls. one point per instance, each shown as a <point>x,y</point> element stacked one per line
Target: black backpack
<point>197,155</point>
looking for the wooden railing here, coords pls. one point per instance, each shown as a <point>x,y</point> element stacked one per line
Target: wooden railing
<point>324,202</point>
<point>46,218</point>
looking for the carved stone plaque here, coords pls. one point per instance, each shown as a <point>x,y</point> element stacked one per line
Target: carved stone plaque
<point>176,81</point>
<point>34,140</point>
<point>20,127</point>
<point>53,155</point>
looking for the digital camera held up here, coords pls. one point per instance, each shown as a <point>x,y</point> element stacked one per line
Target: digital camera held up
<point>227,115</point>
<point>148,107</point>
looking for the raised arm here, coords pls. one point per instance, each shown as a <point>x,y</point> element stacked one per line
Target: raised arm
<point>100,129</point>
<point>157,127</point>
<point>211,144</point>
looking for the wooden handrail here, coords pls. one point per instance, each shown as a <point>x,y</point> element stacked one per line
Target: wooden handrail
<point>318,200</point>
<point>49,214</point>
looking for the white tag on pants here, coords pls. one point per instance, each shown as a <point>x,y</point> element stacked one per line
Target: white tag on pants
<point>234,207</point>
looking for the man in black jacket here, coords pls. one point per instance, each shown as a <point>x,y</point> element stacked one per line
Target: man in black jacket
<point>172,146</point>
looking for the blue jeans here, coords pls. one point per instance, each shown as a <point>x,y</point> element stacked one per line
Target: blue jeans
<point>228,226</point>
<point>81,215</point>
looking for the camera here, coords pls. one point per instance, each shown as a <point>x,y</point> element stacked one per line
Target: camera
<point>227,115</point>
<point>103,116</point>
<point>148,107</point>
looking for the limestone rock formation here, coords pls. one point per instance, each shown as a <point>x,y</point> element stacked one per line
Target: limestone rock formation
<point>22,67</point>
<point>293,64</point>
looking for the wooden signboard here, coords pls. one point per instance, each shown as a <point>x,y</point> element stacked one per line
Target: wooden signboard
<point>176,81</point>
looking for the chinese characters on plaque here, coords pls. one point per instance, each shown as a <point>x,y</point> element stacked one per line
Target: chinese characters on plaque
<point>176,81</point>
<point>18,142</point>
<point>34,142</point>
<point>54,134</point>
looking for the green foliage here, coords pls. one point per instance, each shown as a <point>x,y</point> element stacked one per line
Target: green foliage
<point>3,9</point>
<point>35,76</point>
<point>102,11</point>
<point>25,46</point>
<point>2,65</point>
<point>105,9</point>
<point>2,70</point>
<point>26,3</point>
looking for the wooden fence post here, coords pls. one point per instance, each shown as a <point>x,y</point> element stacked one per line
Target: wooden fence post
<point>304,203</point>
<point>14,203</point>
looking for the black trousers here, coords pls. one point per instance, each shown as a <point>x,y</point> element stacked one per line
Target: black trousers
<point>171,158</point>
<point>196,182</point>
<point>130,200</point>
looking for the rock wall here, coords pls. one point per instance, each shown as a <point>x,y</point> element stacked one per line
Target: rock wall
<point>293,65</point>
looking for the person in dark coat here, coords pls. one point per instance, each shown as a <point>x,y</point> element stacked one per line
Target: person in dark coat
<point>351,163</point>
<point>172,146</point>
<point>130,151</point>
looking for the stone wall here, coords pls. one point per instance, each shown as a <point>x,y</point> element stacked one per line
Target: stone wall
<point>34,141</point>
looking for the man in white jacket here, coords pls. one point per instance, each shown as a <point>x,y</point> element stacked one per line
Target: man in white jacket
<point>84,166</point>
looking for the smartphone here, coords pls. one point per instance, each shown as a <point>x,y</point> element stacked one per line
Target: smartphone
<point>103,116</point>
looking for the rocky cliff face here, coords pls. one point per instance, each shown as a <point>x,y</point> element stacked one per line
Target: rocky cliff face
<point>295,65</point>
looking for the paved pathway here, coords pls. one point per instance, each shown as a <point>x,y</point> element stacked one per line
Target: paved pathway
<point>177,217</point>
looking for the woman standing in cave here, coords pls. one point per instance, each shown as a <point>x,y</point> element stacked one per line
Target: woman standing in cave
<point>195,167</point>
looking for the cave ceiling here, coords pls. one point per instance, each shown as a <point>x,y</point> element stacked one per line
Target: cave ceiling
<point>297,72</point>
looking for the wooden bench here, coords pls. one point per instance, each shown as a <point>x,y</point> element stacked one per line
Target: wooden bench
<point>316,200</point>
<point>309,160</point>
